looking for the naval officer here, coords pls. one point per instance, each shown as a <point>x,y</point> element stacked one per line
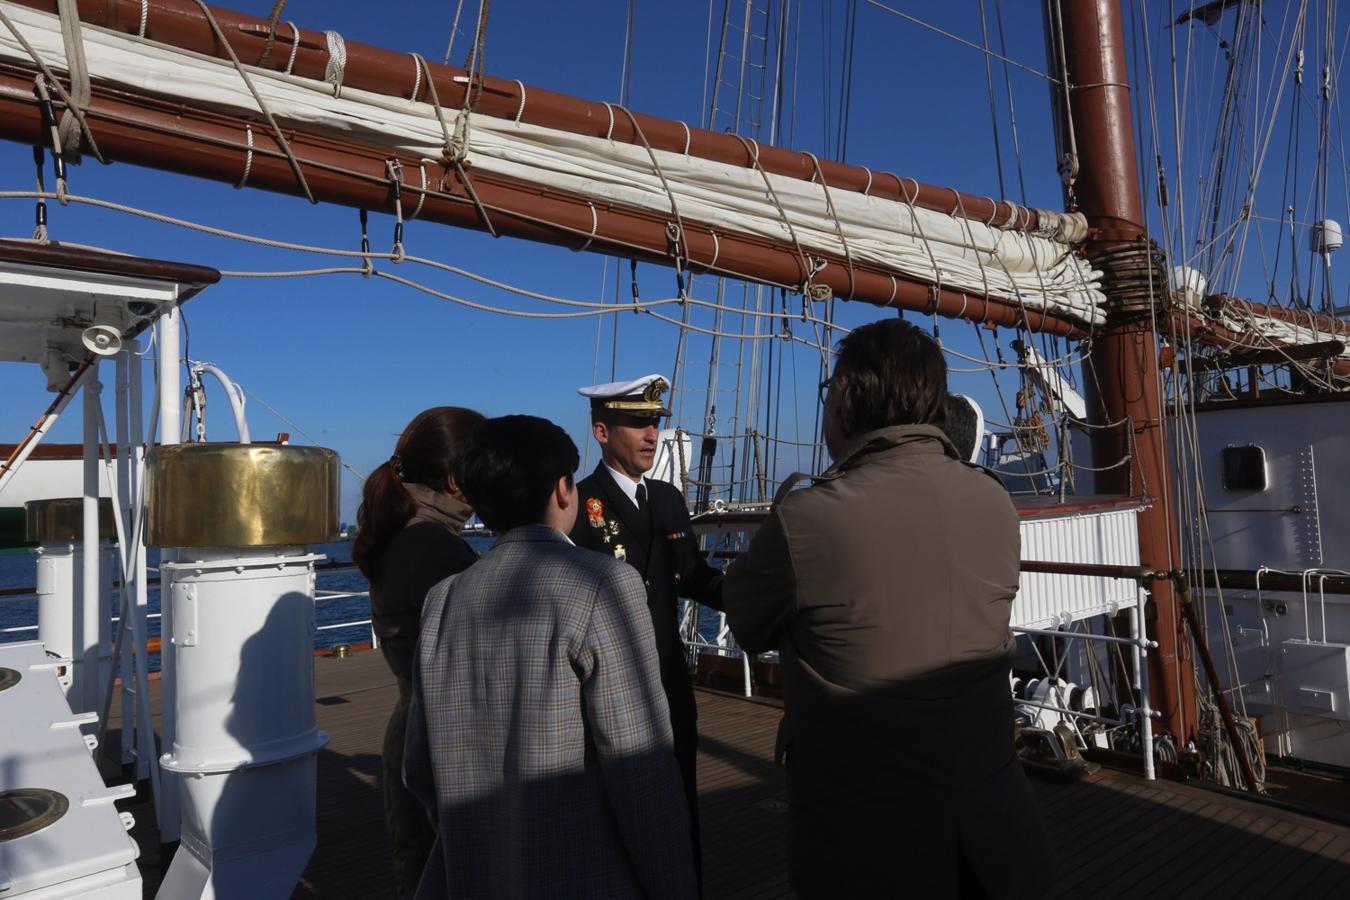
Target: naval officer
<point>644,522</point>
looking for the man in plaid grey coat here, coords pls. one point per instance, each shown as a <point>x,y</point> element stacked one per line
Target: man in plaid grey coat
<point>539,737</point>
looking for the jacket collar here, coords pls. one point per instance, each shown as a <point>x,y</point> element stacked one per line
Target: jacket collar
<point>619,503</point>
<point>902,439</point>
<point>526,533</point>
<point>627,486</point>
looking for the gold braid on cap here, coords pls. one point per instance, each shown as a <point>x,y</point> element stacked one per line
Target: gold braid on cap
<point>650,402</point>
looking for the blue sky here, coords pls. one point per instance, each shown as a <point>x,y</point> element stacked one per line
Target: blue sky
<point>352,360</point>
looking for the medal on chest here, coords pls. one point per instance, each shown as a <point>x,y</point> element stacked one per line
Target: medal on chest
<point>608,528</point>
<point>595,512</point>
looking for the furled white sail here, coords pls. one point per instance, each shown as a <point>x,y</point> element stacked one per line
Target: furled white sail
<point>1039,270</point>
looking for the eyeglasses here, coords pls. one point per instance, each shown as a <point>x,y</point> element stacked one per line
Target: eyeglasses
<point>825,389</point>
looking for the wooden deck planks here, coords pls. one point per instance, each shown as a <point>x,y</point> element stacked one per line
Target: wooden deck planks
<point>1115,835</point>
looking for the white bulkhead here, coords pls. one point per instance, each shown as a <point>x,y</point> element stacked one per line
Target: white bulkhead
<point>1276,508</point>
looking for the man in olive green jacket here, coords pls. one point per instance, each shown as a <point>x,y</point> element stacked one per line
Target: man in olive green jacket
<point>887,585</point>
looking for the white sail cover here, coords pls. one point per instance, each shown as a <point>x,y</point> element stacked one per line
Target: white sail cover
<point>1040,271</point>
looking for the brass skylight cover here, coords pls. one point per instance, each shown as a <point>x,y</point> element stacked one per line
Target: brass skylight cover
<point>241,495</point>
<point>62,519</point>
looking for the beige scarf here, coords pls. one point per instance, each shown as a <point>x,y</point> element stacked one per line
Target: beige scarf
<point>438,507</point>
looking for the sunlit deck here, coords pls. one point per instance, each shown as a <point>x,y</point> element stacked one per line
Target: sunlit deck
<point>1115,834</point>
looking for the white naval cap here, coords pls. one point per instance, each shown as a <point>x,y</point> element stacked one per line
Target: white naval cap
<point>639,397</point>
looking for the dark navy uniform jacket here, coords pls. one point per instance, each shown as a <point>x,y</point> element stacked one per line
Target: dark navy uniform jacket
<point>661,545</point>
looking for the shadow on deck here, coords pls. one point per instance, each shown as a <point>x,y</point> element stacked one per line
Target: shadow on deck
<point>1115,835</point>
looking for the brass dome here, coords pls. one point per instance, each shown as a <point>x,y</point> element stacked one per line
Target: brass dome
<point>241,495</point>
<point>62,519</point>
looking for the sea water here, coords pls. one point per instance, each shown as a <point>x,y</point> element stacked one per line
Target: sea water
<point>18,614</point>
<point>343,620</point>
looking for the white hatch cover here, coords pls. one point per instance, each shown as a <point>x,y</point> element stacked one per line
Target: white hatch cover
<point>60,834</point>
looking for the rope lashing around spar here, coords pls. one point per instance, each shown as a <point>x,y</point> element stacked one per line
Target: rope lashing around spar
<point>674,230</point>
<point>335,71</point>
<point>808,269</point>
<point>838,226</point>
<point>248,158</point>
<point>455,147</point>
<point>72,108</point>
<point>257,98</point>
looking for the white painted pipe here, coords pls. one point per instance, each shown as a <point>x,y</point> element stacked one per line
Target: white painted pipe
<point>169,405</point>
<point>60,589</point>
<point>85,688</point>
<point>236,402</point>
<point>1141,686</point>
<point>145,746</point>
<point>169,813</point>
<point>170,382</point>
<point>246,743</point>
<point>122,427</point>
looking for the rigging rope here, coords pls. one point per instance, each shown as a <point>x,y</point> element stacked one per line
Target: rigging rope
<point>272,19</point>
<point>72,107</point>
<point>960,40</point>
<point>267,113</point>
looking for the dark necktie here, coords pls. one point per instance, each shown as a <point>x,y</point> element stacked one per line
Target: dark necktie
<point>642,497</point>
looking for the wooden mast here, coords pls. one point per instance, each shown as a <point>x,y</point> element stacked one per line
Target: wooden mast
<point>1123,373</point>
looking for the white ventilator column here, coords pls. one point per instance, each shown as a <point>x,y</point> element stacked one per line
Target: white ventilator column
<point>85,689</point>
<point>241,587</point>
<point>66,611</point>
<point>170,405</point>
<point>170,397</point>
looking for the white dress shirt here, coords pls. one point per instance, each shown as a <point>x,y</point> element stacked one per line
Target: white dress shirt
<point>627,484</point>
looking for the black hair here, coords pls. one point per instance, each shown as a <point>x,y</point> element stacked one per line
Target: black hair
<point>960,427</point>
<point>894,375</point>
<point>425,454</point>
<point>509,466</point>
